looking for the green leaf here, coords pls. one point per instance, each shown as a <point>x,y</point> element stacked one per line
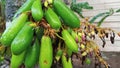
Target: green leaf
<point>101,21</point>
<point>80,14</point>
<point>118,10</point>
<point>104,14</point>
<point>85,5</point>
<point>73,1</point>
<point>77,7</point>
<point>111,11</point>
<point>98,15</point>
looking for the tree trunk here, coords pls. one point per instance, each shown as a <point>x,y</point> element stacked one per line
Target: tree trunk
<point>67,1</point>
<point>11,7</point>
<point>2,15</point>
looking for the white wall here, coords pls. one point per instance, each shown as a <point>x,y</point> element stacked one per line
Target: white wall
<point>111,22</point>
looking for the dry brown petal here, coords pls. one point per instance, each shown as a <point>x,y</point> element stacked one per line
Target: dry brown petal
<point>106,34</point>
<point>118,34</point>
<point>112,39</point>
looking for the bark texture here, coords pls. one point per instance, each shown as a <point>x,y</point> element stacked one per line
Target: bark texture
<point>11,7</point>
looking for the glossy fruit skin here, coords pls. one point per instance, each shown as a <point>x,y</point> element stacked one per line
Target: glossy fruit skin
<point>69,52</point>
<point>17,60</point>
<point>36,10</point>
<point>25,7</point>
<point>65,63</point>
<point>10,33</point>
<point>23,39</point>
<point>74,34</point>
<point>46,53</point>
<point>52,18</point>
<point>67,15</point>
<point>32,55</point>
<point>69,41</point>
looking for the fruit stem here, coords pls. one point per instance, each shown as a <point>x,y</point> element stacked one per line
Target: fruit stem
<point>59,36</point>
